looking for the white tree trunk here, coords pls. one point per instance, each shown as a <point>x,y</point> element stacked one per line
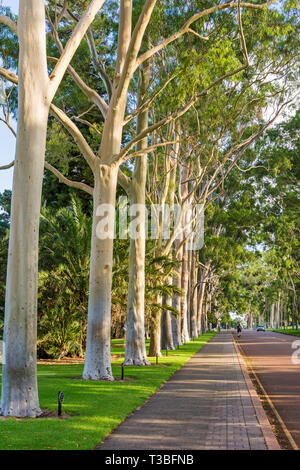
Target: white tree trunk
<point>176,322</point>
<point>193,295</point>
<point>200,298</point>
<point>155,343</point>
<point>278,312</point>
<point>19,381</point>
<point>176,303</point>
<point>185,338</point>
<point>184,301</point>
<point>166,326</point>
<point>272,316</point>
<point>97,360</point>
<point>166,331</point>
<point>204,317</point>
<point>135,350</point>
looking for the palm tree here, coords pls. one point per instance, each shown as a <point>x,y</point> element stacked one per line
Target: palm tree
<point>63,280</point>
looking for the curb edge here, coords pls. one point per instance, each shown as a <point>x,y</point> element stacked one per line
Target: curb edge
<point>268,434</point>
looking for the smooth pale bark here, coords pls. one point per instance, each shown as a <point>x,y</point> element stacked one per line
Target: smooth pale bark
<point>176,303</point>
<point>170,334</point>
<point>36,90</point>
<point>185,338</point>
<point>135,349</point>
<point>154,348</point>
<point>278,312</point>
<point>272,316</point>
<point>184,270</point>
<point>176,322</point>
<point>176,330</point>
<point>97,360</point>
<point>166,326</point>
<point>208,305</point>
<point>166,331</point>
<point>200,306</point>
<point>98,337</point>
<point>19,381</point>
<point>204,321</point>
<point>193,296</point>
<point>156,327</point>
<point>201,293</point>
<point>189,293</point>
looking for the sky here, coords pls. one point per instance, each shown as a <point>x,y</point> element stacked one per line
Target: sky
<point>7,140</point>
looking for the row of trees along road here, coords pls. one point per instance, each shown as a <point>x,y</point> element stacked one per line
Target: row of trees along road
<point>158,100</point>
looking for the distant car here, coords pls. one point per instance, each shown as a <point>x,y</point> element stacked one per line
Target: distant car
<point>260,328</point>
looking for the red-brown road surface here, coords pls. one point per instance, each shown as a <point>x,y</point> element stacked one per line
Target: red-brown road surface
<point>270,355</point>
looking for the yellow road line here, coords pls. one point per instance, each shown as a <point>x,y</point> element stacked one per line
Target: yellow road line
<point>266,396</point>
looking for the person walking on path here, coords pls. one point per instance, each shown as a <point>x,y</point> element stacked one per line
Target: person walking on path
<point>239,330</point>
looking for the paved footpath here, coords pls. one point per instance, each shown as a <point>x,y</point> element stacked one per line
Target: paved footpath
<point>205,405</point>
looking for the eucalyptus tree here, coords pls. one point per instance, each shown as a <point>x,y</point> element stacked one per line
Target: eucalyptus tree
<point>35,92</point>
<point>135,348</point>
<point>279,202</point>
<point>105,163</point>
<point>256,258</point>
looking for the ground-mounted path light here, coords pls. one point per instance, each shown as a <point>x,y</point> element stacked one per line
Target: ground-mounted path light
<point>61,397</point>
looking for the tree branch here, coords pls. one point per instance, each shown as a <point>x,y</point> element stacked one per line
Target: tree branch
<point>134,47</point>
<point>67,123</point>
<point>150,149</point>
<point>91,94</point>
<point>87,123</point>
<point>62,179</point>
<point>124,36</point>
<point>72,184</point>
<point>76,134</point>
<point>6,167</point>
<point>10,76</point>
<point>250,141</point>
<point>186,27</point>
<point>10,23</point>
<point>97,63</point>
<point>176,114</point>
<point>72,45</point>
<point>124,180</point>
<point>149,101</point>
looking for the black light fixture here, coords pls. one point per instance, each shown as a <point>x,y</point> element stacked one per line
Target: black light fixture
<point>61,397</point>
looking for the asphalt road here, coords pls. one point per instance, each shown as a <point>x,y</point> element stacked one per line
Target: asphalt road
<point>270,355</point>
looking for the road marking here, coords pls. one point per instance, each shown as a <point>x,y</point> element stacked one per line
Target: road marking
<point>266,428</point>
<point>284,428</point>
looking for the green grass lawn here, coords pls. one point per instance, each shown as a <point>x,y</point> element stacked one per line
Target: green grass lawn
<point>287,331</point>
<point>95,407</point>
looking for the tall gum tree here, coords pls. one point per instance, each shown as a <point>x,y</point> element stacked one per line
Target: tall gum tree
<point>135,348</point>
<point>19,395</point>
